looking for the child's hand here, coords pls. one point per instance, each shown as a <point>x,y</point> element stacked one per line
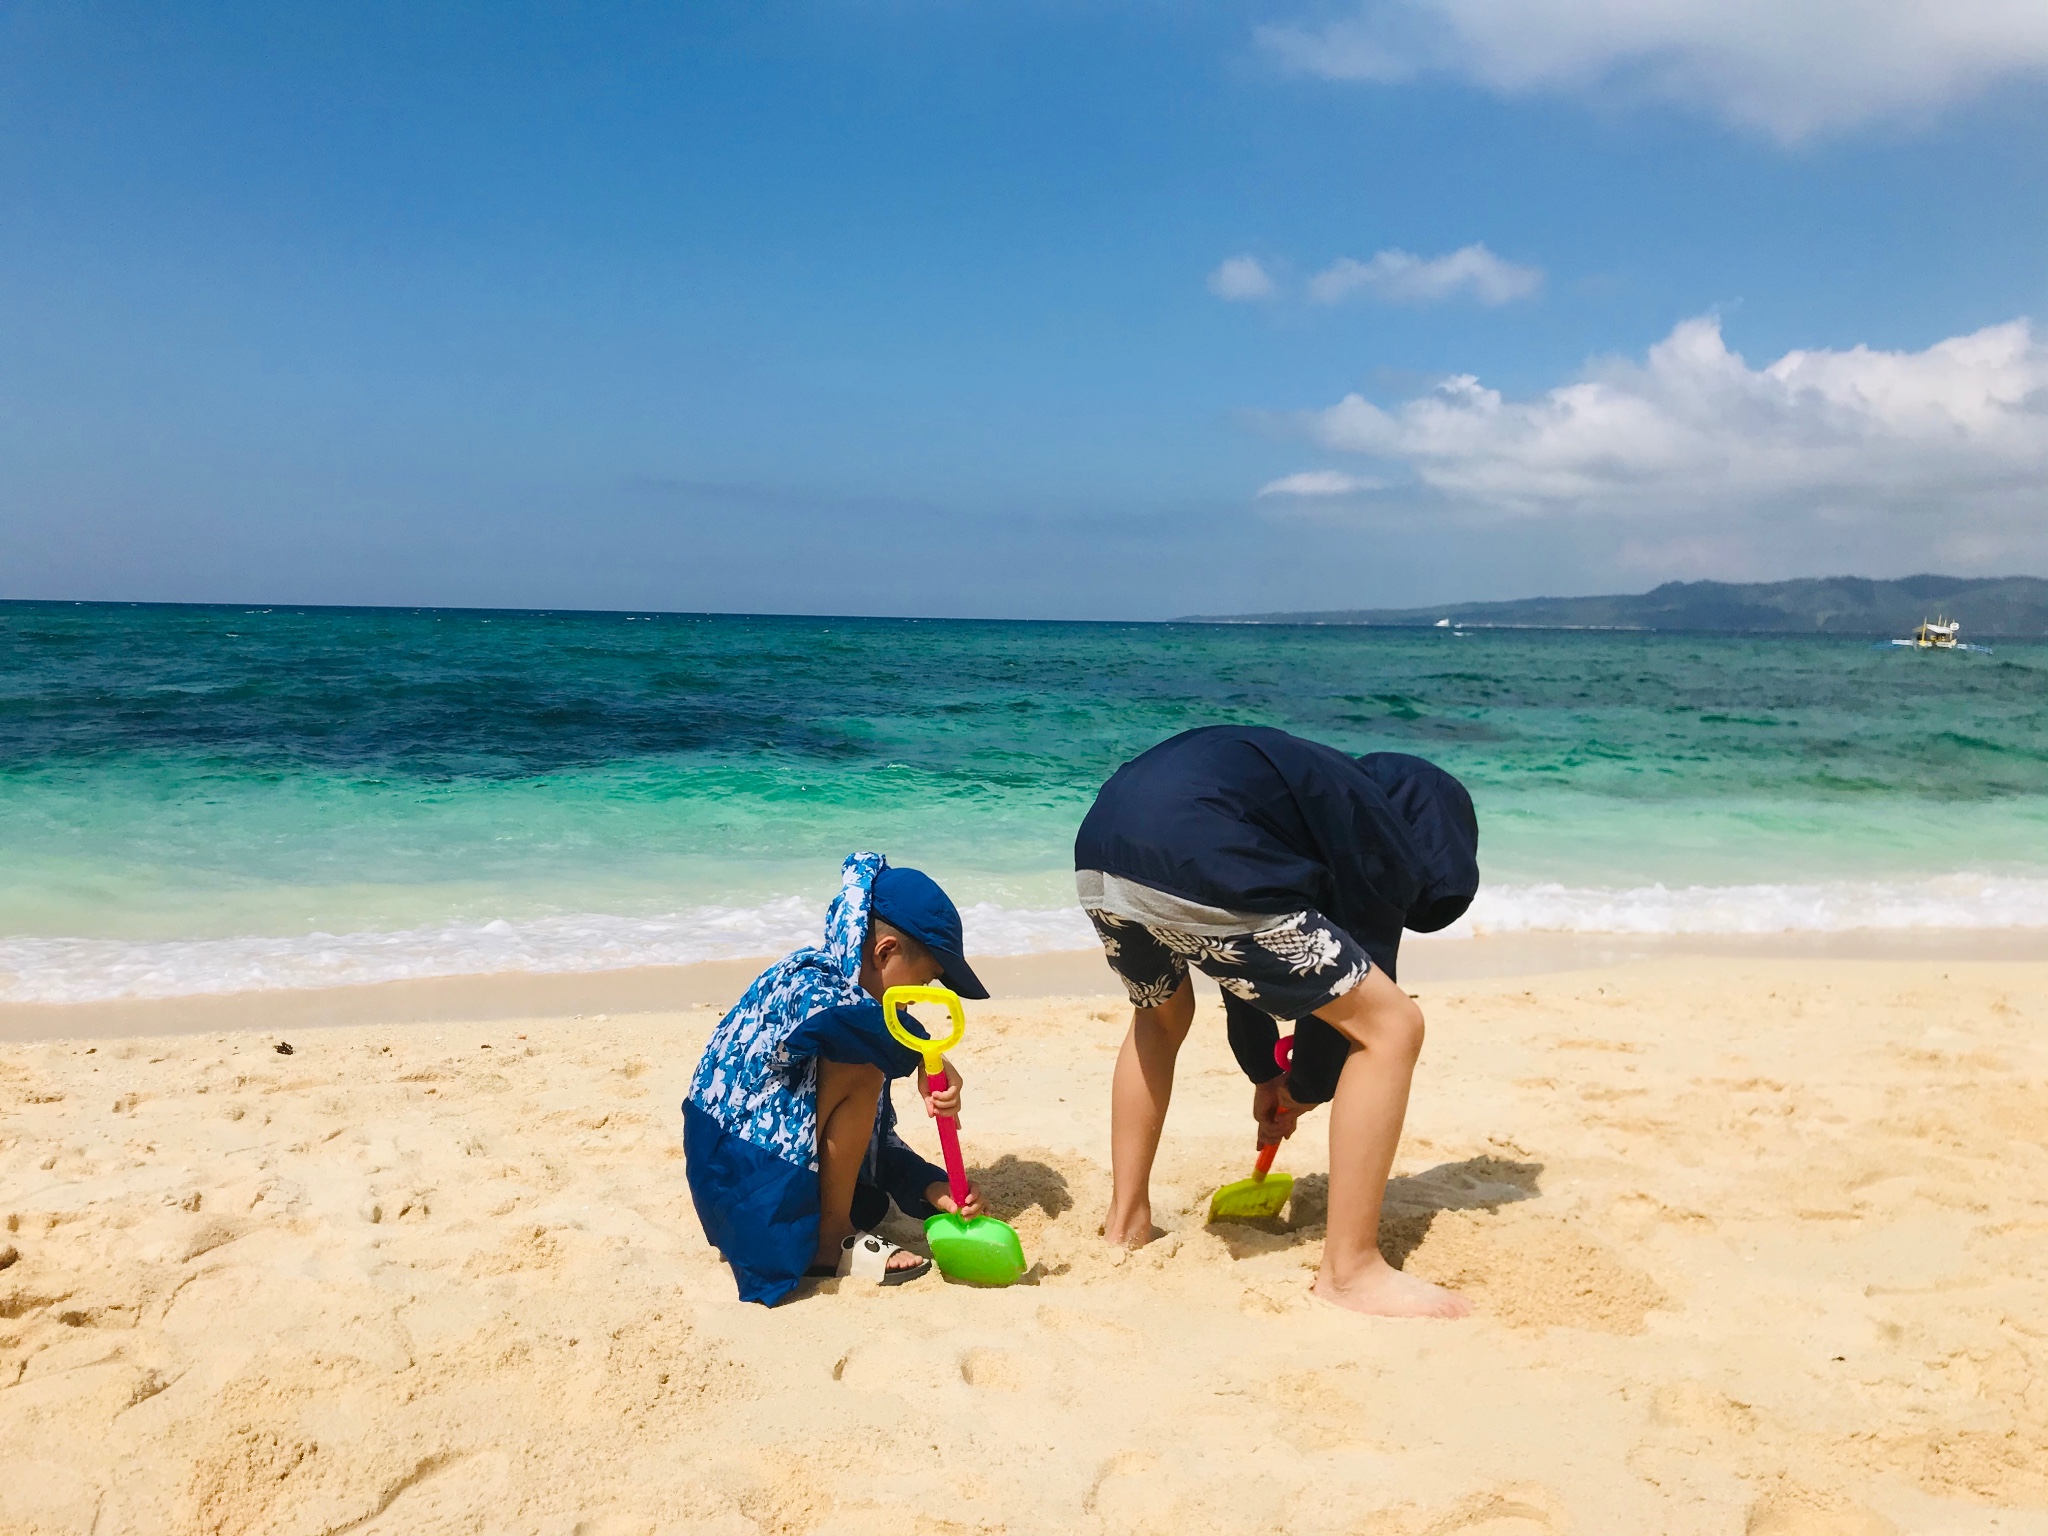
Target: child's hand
<point>942,1197</point>
<point>1275,1110</point>
<point>943,1103</point>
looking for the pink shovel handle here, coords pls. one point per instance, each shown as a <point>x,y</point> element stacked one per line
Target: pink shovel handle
<point>949,1143</point>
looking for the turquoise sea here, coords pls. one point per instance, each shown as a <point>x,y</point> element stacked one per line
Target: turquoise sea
<point>211,798</point>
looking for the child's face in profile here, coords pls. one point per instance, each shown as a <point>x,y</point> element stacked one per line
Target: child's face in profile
<point>888,964</point>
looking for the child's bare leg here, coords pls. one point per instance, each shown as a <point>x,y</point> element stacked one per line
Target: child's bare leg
<point>847,1095</point>
<point>1142,1089</point>
<point>1385,1027</point>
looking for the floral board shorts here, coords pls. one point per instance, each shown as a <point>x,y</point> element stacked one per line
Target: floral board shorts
<point>1287,969</point>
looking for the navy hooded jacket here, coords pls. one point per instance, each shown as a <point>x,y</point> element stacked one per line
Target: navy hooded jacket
<point>1251,819</point>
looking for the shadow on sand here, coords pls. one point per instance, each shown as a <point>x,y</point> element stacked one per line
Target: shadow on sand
<point>1413,1200</point>
<point>1011,1185</point>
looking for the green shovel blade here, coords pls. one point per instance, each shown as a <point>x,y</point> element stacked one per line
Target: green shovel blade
<point>1251,1199</point>
<point>982,1251</point>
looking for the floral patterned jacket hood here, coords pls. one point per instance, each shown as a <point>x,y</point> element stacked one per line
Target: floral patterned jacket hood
<point>747,1081</point>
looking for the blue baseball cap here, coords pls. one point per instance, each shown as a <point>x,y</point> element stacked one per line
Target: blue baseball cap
<point>911,900</point>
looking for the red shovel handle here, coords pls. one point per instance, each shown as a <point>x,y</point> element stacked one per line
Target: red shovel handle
<point>949,1143</point>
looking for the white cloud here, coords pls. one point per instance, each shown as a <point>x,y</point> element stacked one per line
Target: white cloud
<point>1321,482</point>
<point>1241,279</point>
<point>1937,437</point>
<point>1401,276</point>
<point>1790,68</point>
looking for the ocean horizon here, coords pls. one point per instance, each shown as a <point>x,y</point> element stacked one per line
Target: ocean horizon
<point>212,798</point>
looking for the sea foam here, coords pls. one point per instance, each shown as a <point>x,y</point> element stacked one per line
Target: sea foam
<point>1958,900</point>
<point>64,970</point>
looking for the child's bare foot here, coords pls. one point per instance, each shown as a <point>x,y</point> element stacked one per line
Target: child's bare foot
<point>1383,1291</point>
<point>1129,1229</point>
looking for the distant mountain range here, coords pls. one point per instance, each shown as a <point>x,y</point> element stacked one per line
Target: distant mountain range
<point>1990,608</point>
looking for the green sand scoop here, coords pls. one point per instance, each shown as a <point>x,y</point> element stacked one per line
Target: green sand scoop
<point>1261,1195</point>
<point>1255,1198</point>
<point>980,1250</point>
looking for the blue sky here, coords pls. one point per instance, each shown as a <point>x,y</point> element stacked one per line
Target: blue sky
<point>886,307</point>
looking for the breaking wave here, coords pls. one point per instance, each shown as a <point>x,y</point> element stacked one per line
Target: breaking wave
<point>65,970</point>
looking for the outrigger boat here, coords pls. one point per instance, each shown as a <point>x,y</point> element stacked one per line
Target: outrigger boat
<point>1939,634</point>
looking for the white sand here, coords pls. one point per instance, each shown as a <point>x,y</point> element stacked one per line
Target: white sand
<point>1756,1245</point>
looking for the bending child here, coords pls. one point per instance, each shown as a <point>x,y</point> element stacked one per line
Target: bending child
<point>788,1130</point>
<point>1286,871</point>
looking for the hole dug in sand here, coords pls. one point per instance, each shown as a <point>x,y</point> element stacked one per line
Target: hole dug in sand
<point>1537,1271</point>
<point>1415,1200</point>
<point>1459,1224</point>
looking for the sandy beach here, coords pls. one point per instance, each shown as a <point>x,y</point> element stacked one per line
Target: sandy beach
<point>1757,1245</point>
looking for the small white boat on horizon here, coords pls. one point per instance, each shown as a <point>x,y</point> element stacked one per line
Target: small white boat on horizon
<point>1939,634</point>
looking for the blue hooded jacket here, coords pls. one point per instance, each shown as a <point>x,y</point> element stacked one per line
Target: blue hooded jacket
<point>750,1120</point>
<point>1251,819</point>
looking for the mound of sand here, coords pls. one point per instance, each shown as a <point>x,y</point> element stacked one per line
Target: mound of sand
<point>1755,1247</point>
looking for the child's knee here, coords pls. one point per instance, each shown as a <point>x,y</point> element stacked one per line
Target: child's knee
<point>1379,1016</point>
<point>1405,1030</point>
<point>1390,1034</point>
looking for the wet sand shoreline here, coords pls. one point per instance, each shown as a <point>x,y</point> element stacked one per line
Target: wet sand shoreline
<point>652,989</point>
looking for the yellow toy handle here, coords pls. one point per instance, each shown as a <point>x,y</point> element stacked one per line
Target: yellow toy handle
<point>933,1051</point>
